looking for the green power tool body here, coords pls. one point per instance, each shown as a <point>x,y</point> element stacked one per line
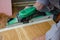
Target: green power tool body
<point>29,13</point>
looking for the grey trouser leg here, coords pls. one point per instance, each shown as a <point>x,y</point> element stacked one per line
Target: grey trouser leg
<point>54,32</point>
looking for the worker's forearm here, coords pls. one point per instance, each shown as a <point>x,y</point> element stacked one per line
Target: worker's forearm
<point>41,3</point>
<point>44,2</point>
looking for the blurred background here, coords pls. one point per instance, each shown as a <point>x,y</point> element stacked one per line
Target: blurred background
<point>18,5</point>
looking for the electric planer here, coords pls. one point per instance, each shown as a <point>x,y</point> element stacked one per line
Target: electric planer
<point>30,14</point>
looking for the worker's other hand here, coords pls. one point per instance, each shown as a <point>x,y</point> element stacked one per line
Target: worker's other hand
<point>38,6</point>
<point>40,38</point>
<point>58,17</point>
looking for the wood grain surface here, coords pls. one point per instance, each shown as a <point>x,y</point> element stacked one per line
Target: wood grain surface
<point>26,33</point>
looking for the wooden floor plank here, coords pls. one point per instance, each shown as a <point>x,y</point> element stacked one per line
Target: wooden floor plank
<point>10,35</point>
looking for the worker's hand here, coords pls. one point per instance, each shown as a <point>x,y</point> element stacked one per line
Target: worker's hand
<point>38,6</point>
<point>27,6</point>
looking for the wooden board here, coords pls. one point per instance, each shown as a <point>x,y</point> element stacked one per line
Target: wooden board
<point>3,20</point>
<point>26,33</point>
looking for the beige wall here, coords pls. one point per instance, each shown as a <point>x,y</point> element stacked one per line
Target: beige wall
<point>6,7</point>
